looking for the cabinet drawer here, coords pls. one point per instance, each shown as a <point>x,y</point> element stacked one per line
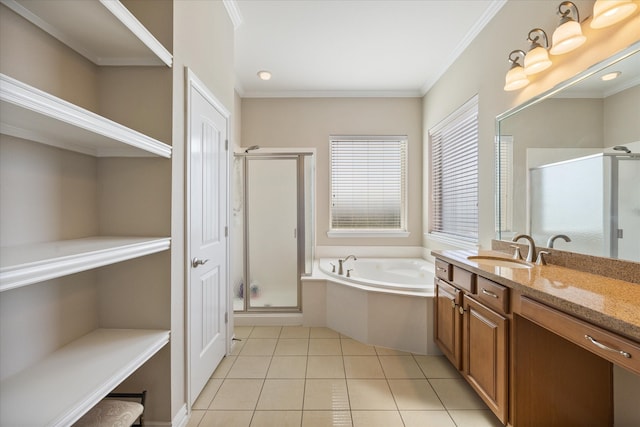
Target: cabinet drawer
<point>616,349</point>
<point>493,295</point>
<point>450,291</point>
<point>464,279</point>
<point>443,270</point>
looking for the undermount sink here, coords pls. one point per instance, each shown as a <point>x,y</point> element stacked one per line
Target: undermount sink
<point>499,262</point>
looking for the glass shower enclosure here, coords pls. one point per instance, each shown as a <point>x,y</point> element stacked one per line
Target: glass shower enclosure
<point>598,194</point>
<point>278,230</point>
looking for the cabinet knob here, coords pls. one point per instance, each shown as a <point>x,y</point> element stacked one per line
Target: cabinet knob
<point>461,309</point>
<point>197,261</point>
<point>453,304</point>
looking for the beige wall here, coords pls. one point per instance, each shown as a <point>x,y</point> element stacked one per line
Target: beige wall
<point>621,124</point>
<point>308,122</point>
<point>36,58</point>
<point>481,70</point>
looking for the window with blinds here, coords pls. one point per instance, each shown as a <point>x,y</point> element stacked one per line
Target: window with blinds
<point>454,175</point>
<point>368,183</point>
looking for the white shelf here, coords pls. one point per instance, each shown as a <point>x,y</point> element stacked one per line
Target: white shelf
<point>29,113</point>
<point>58,390</point>
<point>28,264</point>
<point>103,31</point>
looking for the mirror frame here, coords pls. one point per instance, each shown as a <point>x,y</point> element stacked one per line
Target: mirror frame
<point>619,56</point>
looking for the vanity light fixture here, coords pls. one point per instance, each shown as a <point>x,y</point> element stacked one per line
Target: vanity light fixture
<point>609,12</point>
<point>537,59</point>
<point>568,36</point>
<point>264,75</point>
<point>516,77</point>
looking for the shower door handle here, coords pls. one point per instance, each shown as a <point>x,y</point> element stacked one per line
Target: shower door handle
<point>196,262</point>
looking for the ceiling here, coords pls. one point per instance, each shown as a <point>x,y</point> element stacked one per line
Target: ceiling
<point>351,47</point>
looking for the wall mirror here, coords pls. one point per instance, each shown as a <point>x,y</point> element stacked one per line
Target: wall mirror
<point>568,163</point>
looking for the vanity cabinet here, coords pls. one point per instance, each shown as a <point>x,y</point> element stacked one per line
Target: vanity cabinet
<point>523,348</point>
<point>472,332</point>
<point>447,322</point>
<point>84,284</point>
<point>485,354</point>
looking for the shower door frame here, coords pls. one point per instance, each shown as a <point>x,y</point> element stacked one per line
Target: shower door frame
<point>299,157</point>
<point>614,233</point>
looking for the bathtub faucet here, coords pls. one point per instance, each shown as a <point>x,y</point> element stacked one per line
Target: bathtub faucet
<point>342,261</point>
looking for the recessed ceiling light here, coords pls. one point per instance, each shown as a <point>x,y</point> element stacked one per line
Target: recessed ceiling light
<point>610,76</point>
<point>264,75</point>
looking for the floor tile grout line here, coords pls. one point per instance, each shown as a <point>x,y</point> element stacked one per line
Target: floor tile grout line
<point>346,383</point>
<point>434,390</point>
<point>393,396</point>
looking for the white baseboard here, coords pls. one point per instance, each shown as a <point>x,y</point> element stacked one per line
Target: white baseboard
<point>182,417</point>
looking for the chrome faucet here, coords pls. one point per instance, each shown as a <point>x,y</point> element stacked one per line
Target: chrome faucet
<point>342,261</point>
<point>531,255</point>
<point>557,236</point>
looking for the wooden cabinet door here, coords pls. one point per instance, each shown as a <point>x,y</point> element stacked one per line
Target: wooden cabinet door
<point>447,322</point>
<point>484,349</point>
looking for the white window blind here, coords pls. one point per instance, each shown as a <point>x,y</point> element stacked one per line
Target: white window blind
<point>504,183</point>
<point>368,183</point>
<point>454,175</point>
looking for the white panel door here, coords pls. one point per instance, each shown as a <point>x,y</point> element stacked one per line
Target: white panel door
<point>207,238</point>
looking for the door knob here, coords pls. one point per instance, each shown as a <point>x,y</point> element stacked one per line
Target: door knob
<point>196,262</point>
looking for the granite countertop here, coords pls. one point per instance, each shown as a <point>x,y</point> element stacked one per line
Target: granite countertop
<point>610,303</point>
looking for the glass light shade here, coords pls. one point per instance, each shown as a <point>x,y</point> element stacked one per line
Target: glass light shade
<point>566,38</point>
<point>516,79</point>
<point>536,60</point>
<point>609,12</point>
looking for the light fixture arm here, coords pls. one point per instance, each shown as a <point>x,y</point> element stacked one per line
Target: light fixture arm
<point>514,61</point>
<point>570,7</point>
<point>537,32</point>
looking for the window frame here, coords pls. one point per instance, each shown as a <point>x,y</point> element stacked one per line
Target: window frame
<point>401,231</point>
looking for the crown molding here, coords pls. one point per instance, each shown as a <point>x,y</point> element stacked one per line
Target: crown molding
<point>333,94</point>
<point>234,12</point>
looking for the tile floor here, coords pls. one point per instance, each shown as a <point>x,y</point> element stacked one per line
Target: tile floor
<point>306,377</point>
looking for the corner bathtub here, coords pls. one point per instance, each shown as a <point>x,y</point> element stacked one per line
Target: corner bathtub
<point>396,274</point>
<point>387,302</point>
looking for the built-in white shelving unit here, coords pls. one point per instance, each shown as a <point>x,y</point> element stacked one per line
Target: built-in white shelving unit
<point>28,264</point>
<point>29,113</point>
<point>103,31</point>
<point>58,390</point>
<point>68,378</point>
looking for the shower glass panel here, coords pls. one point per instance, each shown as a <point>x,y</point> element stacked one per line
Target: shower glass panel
<point>572,189</point>
<point>598,194</point>
<point>628,209</point>
<point>275,211</point>
<point>272,232</point>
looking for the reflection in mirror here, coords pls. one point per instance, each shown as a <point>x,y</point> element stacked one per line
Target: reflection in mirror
<point>568,163</point>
